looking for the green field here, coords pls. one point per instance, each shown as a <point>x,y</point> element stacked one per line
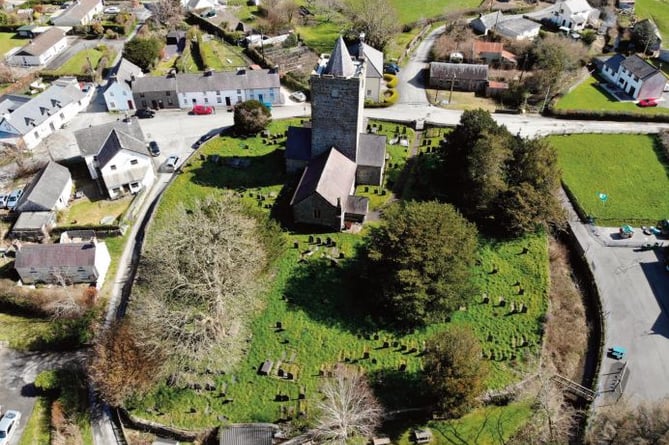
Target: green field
<point>587,96</point>
<point>629,168</point>
<point>322,36</point>
<point>658,10</point>
<point>221,56</point>
<point>81,62</point>
<point>316,304</point>
<point>412,10</point>
<point>8,40</point>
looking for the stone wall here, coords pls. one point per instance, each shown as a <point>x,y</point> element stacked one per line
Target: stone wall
<point>336,105</point>
<point>304,212</point>
<point>368,175</point>
<point>295,166</point>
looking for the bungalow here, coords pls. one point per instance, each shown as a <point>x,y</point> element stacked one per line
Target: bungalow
<point>25,122</point>
<point>116,154</point>
<point>118,93</point>
<point>63,262</point>
<point>573,14</point>
<point>49,190</point>
<point>80,13</point>
<point>492,53</point>
<point>485,23</point>
<point>635,76</point>
<point>512,27</point>
<point>458,76</point>
<point>34,226</point>
<point>41,49</point>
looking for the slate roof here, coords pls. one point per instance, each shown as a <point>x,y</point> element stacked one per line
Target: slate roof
<point>373,56</point>
<point>576,6</point>
<point>41,43</point>
<point>298,143</point>
<point>462,71</point>
<point>127,175</point>
<point>340,63</point>
<point>116,141</point>
<point>639,67</point>
<point>33,221</point>
<point>125,70</point>
<point>78,11</point>
<point>489,20</point>
<point>33,113</point>
<point>55,255</point>
<point>515,27</point>
<point>331,175</point>
<point>247,435</point>
<point>91,139</point>
<point>614,62</point>
<point>45,188</point>
<point>357,205</point>
<point>371,150</point>
<point>10,102</point>
<point>149,84</point>
<point>216,81</point>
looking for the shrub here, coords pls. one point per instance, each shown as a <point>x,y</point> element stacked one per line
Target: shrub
<point>391,80</point>
<point>47,382</point>
<point>391,96</point>
<point>251,117</point>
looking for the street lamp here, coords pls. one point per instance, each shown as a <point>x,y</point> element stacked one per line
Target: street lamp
<point>450,95</point>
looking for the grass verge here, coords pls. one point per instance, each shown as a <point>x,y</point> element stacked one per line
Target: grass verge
<point>37,429</point>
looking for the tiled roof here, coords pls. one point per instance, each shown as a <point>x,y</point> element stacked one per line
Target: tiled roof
<point>42,43</point>
<point>45,188</point>
<point>487,47</point>
<point>117,141</point>
<point>331,175</point>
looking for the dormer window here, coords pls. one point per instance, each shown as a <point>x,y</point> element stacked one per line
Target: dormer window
<point>134,162</point>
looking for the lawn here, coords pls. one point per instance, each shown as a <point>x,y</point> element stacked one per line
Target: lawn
<point>315,302</point>
<point>628,168</point>
<point>658,10</point>
<point>322,36</point>
<point>588,96</point>
<point>37,429</point>
<point>81,62</point>
<point>221,56</point>
<point>85,212</point>
<point>410,11</point>
<point>164,66</point>
<point>8,40</point>
<point>460,100</point>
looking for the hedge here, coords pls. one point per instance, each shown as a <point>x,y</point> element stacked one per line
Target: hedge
<point>393,97</point>
<point>607,116</point>
<point>391,80</point>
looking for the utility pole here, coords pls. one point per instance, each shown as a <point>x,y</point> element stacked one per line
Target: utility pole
<point>450,95</point>
<point>548,90</point>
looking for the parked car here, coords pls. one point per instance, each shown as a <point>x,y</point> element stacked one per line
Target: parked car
<point>202,109</point>
<point>650,102</point>
<point>112,10</point>
<point>3,201</point>
<point>210,13</point>
<point>153,148</point>
<point>298,96</point>
<point>8,425</point>
<point>13,198</point>
<point>145,113</point>
<point>171,163</point>
<point>391,68</point>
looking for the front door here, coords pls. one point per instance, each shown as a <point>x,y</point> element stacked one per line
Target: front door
<point>227,102</point>
<point>260,99</point>
<point>154,104</point>
<point>131,106</point>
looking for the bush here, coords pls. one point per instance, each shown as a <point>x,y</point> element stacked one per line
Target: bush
<point>47,382</point>
<point>251,117</point>
<point>391,96</point>
<point>391,80</point>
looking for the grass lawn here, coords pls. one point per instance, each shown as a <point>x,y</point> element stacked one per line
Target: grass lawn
<point>658,10</point>
<point>398,44</point>
<point>221,56</point>
<point>164,66</point>
<point>84,211</point>
<point>492,425</point>
<point>79,63</point>
<point>409,11</point>
<point>37,429</point>
<point>8,40</point>
<point>460,100</point>
<point>587,96</point>
<point>321,325</point>
<point>322,36</point>
<point>628,168</point>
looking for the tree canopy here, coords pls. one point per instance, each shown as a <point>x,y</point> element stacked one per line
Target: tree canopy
<point>454,369</point>
<point>251,117</point>
<point>143,52</point>
<point>507,184</point>
<point>418,262</point>
<point>376,18</point>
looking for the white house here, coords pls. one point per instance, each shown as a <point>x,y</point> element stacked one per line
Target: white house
<point>226,88</point>
<point>63,262</point>
<point>41,49</point>
<point>81,12</point>
<point>373,69</point>
<point>635,76</point>
<point>196,5</point>
<point>573,14</point>
<point>512,27</point>
<point>50,189</point>
<point>25,122</point>
<point>118,93</point>
<point>116,154</point>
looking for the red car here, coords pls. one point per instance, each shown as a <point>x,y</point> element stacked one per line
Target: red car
<point>202,109</point>
<point>650,102</point>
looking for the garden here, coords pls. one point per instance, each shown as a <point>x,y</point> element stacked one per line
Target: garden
<point>311,322</point>
<point>631,170</point>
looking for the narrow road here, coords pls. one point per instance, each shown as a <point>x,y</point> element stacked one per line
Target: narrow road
<point>411,85</point>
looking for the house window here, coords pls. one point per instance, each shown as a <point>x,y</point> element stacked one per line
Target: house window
<point>113,167</point>
<point>141,94</point>
<point>144,103</point>
<point>62,115</point>
<point>218,100</point>
<point>369,92</point>
<point>239,91</point>
<point>167,93</point>
<point>134,162</point>
<point>169,101</point>
<point>124,93</point>
<point>36,134</point>
<point>112,105</point>
<point>116,190</point>
<point>218,93</point>
<point>317,213</point>
<point>206,100</point>
<point>239,98</point>
<point>111,93</point>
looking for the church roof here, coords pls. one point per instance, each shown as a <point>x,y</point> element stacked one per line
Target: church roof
<point>340,63</point>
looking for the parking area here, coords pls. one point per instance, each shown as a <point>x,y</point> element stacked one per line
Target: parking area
<point>634,286</point>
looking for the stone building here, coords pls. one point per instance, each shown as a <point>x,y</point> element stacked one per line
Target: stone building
<point>338,155</point>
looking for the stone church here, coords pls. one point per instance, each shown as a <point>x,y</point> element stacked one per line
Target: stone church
<point>333,151</point>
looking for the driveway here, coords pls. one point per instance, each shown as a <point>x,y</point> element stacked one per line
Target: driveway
<point>17,375</point>
<point>412,76</point>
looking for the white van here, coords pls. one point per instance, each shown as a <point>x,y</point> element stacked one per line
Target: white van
<point>8,425</point>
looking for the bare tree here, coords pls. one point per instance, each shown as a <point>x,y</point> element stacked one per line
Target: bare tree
<point>168,13</point>
<point>624,423</point>
<point>376,18</point>
<point>289,8</point>
<point>200,272</point>
<point>348,408</point>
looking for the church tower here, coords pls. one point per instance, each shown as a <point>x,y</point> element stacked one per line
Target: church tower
<point>337,101</point>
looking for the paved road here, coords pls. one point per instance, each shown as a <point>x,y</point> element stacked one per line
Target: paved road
<point>411,85</point>
<point>17,375</point>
